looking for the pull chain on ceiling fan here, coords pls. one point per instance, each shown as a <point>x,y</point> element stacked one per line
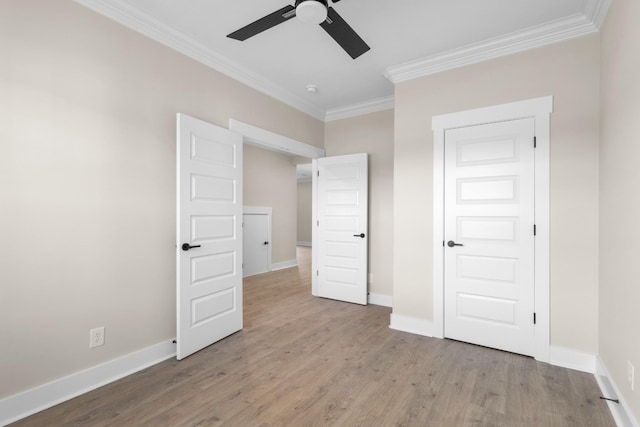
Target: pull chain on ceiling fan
<point>313,12</point>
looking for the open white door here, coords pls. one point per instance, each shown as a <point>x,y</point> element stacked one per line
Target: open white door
<point>209,234</point>
<point>340,232</point>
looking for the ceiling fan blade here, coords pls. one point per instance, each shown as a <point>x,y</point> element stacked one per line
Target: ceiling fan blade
<point>343,34</point>
<point>262,24</point>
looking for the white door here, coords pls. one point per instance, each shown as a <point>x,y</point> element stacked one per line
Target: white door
<point>209,234</point>
<point>489,235</point>
<point>256,244</point>
<point>340,232</point>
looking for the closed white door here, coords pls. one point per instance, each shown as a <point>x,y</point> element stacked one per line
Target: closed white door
<point>209,234</point>
<point>256,244</point>
<point>489,235</point>
<point>340,237</point>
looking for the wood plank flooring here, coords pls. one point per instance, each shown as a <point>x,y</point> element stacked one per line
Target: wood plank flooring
<point>304,361</point>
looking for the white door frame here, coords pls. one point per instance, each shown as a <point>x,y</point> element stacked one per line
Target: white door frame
<point>262,210</point>
<point>539,109</point>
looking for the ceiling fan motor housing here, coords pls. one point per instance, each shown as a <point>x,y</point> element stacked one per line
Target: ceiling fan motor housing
<point>312,11</point>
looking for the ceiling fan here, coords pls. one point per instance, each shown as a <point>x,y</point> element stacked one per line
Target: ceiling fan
<point>312,12</point>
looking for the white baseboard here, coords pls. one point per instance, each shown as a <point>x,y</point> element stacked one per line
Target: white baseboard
<point>18,406</point>
<point>284,264</point>
<point>412,325</point>
<point>303,243</point>
<point>379,299</point>
<point>572,359</point>
<point>621,412</point>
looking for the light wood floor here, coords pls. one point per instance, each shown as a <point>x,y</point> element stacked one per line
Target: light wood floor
<point>304,361</point>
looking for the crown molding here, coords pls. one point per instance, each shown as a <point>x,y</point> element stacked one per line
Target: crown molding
<point>596,11</point>
<point>162,33</point>
<point>359,109</point>
<point>575,26</point>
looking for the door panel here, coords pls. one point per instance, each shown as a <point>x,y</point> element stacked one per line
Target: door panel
<point>341,208</point>
<point>489,215</point>
<point>209,209</point>
<point>257,243</point>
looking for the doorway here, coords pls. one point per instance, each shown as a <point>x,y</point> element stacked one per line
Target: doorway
<point>538,111</point>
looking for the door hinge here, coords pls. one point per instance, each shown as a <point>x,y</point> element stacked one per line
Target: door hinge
<point>535,229</point>
<point>535,141</point>
<point>318,223</point>
<point>317,272</point>
<point>318,173</point>
<point>534,318</point>
<point>443,243</point>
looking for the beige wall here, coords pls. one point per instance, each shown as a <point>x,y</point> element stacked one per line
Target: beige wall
<point>304,212</point>
<point>570,72</point>
<point>270,180</point>
<point>373,134</point>
<point>619,201</point>
<point>87,183</point>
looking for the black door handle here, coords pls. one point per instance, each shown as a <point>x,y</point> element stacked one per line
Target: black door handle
<point>361,235</point>
<point>186,246</point>
<point>265,243</point>
<point>451,244</point>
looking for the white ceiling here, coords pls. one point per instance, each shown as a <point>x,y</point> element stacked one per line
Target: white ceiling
<point>408,38</point>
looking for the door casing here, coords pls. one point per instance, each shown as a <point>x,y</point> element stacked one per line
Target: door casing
<point>539,109</point>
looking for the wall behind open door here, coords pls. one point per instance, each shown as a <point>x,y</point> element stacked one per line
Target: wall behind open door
<point>270,180</point>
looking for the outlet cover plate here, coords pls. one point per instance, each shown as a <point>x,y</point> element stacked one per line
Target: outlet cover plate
<point>96,337</point>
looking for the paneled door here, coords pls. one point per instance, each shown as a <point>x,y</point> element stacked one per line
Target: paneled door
<point>489,235</point>
<point>341,228</point>
<point>209,234</point>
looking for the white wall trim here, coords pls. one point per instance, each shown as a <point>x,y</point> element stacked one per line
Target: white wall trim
<point>47,395</point>
<point>380,299</point>
<point>257,210</point>
<point>300,243</point>
<point>621,412</point>
<point>284,264</point>
<point>412,325</point>
<point>262,138</point>
<point>575,26</point>
<point>539,109</point>
<point>136,20</point>
<point>572,359</point>
<point>596,11</point>
<point>371,106</point>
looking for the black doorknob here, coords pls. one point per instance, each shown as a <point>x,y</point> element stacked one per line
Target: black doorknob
<point>265,243</point>
<point>186,246</point>
<point>361,235</point>
<point>451,244</point>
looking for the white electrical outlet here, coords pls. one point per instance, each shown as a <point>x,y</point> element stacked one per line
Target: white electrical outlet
<point>631,375</point>
<point>96,337</point>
